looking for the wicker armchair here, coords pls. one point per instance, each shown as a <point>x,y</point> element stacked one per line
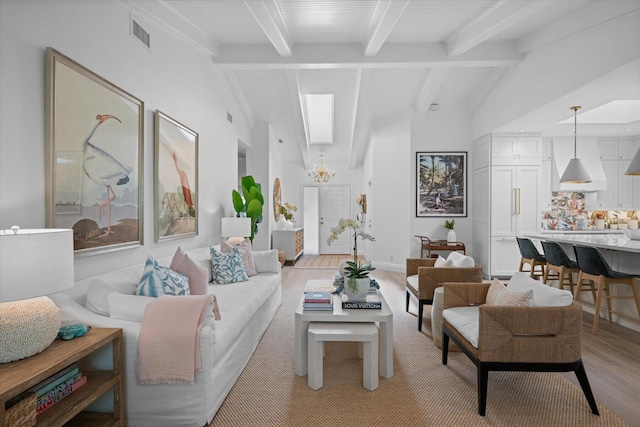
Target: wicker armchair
<point>536,339</point>
<point>422,278</point>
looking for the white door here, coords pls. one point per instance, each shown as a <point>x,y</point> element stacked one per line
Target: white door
<point>335,203</point>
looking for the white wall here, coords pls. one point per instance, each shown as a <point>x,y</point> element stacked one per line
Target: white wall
<point>174,77</point>
<point>448,129</point>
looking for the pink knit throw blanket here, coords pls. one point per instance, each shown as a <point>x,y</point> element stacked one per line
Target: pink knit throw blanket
<point>168,350</point>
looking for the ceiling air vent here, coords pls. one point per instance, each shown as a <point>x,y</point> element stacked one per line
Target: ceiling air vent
<point>229,117</point>
<point>138,32</point>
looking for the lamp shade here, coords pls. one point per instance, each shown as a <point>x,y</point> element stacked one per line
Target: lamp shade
<point>35,263</point>
<point>634,167</point>
<point>236,227</point>
<point>575,173</point>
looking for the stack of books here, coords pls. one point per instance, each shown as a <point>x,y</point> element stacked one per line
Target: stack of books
<point>371,302</point>
<point>56,387</point>
<point>317,301</point>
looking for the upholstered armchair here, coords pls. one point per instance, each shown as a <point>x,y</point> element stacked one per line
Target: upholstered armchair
<point>422,278</point>
<point>514,338</point>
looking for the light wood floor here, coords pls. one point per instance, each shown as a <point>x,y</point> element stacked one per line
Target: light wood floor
<point>611,358</point>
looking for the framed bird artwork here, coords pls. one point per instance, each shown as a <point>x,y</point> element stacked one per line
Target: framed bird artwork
<point>94,158</point>
<point>176,179</point>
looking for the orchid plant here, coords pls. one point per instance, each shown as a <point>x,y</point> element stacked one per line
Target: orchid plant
<point>354,271</point>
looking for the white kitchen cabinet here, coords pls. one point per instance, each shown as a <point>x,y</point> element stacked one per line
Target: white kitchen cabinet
<point>512,205</point>
<point>617,150</point>
<point>623,191</point>
<point>516,150</point>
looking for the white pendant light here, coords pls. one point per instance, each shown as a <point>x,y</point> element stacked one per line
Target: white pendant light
<point>575,173</point>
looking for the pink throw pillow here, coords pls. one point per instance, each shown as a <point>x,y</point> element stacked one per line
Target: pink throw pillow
<point>197,275</point>
<point>216,310</point>
<point>247,255</point>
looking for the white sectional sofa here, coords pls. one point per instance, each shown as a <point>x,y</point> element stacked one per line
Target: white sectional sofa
<point>226,345</point>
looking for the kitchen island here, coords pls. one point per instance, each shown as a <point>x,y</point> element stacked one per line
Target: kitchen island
<point>622,254</point>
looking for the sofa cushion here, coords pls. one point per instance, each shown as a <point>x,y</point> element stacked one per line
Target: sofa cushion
<point>247,255</point>
<point>198,276</point>
<point>267,261</point>
<point>158,280</point>
<point>543,295</point>
<point>227,267</point>
<point>127,307</point>
<point>460,260</point>
<point>443,263</point>
<point>466,320</point>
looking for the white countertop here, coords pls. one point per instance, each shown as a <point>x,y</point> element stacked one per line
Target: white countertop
<point>611,241</point>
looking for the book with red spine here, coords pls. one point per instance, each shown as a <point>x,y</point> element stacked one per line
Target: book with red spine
<point>61,395</point>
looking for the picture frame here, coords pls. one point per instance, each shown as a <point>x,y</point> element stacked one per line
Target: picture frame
<point>175,179</point>
<point>94,158</point>
<point>441,184</point>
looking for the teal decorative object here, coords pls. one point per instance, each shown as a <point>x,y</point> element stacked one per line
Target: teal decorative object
<point>72,331</point>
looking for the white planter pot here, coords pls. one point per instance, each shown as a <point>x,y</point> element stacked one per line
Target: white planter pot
<point>599,224</point>
<point>451,236</point>
<point>361,289</point>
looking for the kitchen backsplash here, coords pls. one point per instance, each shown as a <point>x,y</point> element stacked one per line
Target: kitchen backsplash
<point>568,213</point>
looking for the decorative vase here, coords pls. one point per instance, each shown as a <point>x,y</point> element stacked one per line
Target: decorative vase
<point>362,289</point>
<point>451,236</point>
<point>281,224</point>
<point>288,225</point>
<point>599,224</point>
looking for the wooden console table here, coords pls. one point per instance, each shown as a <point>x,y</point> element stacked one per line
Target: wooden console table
<point>429,245</point>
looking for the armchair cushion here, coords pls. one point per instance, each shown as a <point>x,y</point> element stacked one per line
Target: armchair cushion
<point>543,295</point>
<point>443,263</point>
<point>466,320</point>
<point>459,260</point>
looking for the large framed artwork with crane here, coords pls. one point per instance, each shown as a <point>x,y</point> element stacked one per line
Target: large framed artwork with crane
<point>94,158</point>
<point>441,184</point>
<point>176,179</point>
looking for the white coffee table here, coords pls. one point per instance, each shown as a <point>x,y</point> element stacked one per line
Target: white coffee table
<point>384,318</point>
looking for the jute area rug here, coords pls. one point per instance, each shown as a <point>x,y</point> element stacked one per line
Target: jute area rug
<point>422,392</point>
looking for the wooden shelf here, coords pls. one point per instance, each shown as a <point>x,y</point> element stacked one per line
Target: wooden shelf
<point>19,376</point>
<point>428,245</point>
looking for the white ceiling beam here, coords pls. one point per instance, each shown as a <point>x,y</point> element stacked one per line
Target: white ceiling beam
<point>359,112</point>
<point>595,14</point>
<point>343,56</point>
<point>268,15</point>
<point>230,75</point>
<point>296,102</point>
<point>167,17</point>
<point>384,19</point>
<point>485,87</point>
<point>503,15</point>
<point>429,90</point>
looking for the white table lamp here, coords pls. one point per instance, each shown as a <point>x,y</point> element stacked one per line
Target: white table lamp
<point>33,263</point>
<point>236,229</point>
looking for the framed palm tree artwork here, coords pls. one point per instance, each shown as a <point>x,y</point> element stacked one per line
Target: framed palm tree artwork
<point>441,184</point>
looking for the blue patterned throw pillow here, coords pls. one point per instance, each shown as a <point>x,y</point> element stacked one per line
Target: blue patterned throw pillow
<point>159,280</point>
<point>227,267</point>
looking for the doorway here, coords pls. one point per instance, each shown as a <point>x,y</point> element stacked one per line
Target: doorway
<point>323,208</point>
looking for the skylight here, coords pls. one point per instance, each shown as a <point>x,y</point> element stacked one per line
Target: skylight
<point>621,111</point>
<point>319,108</point>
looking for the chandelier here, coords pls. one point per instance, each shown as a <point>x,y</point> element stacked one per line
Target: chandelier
<point>320,173</point>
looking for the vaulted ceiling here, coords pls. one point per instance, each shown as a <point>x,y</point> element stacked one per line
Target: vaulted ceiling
<point>376,56</point>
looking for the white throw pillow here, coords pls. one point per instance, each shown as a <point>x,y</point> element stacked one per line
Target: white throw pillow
<point>461,261</point>
<point>442,263</point>
<point>97,293</point>
<point>266,261</point>
<point>127,307</point>
<point>543,295</point>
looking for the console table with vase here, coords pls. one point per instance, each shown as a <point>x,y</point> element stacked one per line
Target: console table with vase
<point>291,242</point>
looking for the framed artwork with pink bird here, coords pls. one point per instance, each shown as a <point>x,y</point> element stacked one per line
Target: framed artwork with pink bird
<point>176,179</point>
<point>94,158</point>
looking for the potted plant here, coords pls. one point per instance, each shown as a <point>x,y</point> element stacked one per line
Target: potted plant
<point>249,203</point>
<point>358,282</point>
<point>449,225</point>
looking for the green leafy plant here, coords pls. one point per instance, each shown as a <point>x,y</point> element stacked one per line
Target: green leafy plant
<point>449,224</point>
<point>356,271</point>
<point>250,202</point>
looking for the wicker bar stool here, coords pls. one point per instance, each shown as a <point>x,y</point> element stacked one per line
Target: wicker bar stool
<point>531,256</point>
<point>594,267</point>
<point>562,265</point>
